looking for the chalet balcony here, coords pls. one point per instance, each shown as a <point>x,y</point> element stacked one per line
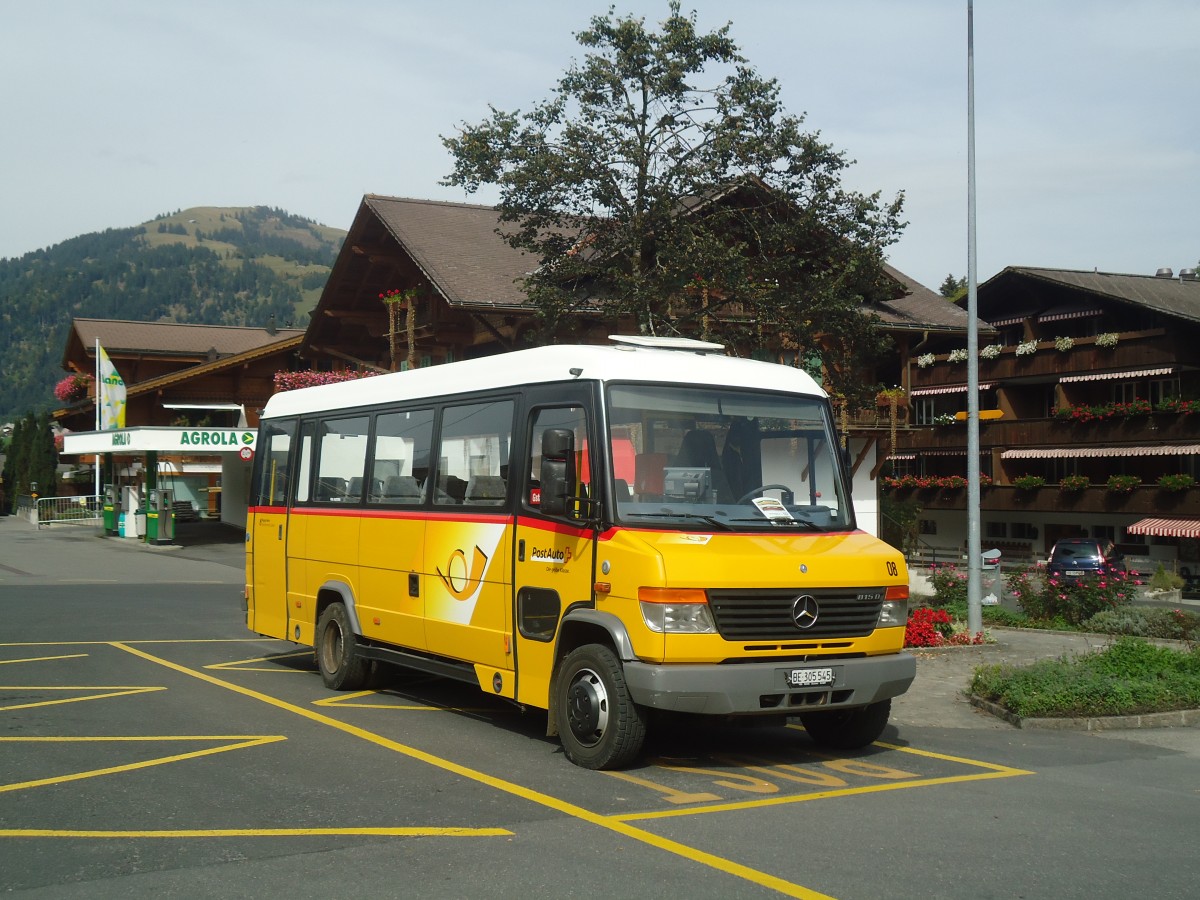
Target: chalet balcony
<point>1147,500</point>
<point>1134,350</point>
<point>1048,432</point>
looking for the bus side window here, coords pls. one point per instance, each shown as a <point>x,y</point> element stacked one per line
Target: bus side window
<point>341,460</point>
<point>275,452</point>
<point>473,452</point>
<point>400,457</point>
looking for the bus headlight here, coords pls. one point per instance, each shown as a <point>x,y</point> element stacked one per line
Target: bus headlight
<point>676,611</point>
<point>894,611</point>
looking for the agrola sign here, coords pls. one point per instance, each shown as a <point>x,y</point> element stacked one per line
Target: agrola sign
<point>161,440</point>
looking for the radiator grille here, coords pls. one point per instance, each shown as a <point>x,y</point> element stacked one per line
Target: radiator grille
<point>766,614</point>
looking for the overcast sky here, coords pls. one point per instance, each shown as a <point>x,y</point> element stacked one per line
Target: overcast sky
<point>1087,134</point>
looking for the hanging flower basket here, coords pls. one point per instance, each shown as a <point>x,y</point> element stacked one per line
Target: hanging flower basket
<point>896,396</point>
<point>73,387</point>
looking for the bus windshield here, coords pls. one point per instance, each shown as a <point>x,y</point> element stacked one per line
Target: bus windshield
<point>705,457</point>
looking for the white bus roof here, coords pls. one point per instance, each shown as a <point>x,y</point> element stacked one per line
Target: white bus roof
<point>675,363</point>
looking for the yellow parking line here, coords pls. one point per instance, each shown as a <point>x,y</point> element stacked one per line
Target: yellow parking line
<point>110,691</point>
<point>243,665</point>
<point>5,662</point>
<point>257,832</point>
<point>243,741</point>
<point>608,823</point>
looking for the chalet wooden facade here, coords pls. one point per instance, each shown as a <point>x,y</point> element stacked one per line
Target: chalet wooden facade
<point>1091,375</point>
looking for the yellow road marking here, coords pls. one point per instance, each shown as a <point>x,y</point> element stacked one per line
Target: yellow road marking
<point>243,665</point>
<point>111,691</point>
<point>5,662</point>
<point>257,832</point>
<point>243,741</point>
<point>609,823</point>
<point>343,701</point>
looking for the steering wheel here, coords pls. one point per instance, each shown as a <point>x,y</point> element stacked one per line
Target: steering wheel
<point>762,488</point>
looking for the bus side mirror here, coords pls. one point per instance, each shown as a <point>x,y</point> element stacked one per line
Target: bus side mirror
<point>558,470</point>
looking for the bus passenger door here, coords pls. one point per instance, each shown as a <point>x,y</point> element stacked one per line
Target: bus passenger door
<point>266,532</point>
<point>553,554</point>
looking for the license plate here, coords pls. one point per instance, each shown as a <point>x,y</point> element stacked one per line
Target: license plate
<point>809,677</point>
<point>1074,571</point>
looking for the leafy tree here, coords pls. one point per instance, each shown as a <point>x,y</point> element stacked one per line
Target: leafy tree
<point>663,182</point>
<point>952,287</point>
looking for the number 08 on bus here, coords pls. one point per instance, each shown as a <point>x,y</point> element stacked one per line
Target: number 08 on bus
<point>606,533</point>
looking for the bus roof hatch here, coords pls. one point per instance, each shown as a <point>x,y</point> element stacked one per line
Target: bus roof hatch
<point>666,343</point>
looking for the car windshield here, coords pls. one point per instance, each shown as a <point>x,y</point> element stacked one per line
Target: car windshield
<point>705,458</point>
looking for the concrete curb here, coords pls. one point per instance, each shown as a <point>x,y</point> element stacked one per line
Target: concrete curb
<point>1171,719</point>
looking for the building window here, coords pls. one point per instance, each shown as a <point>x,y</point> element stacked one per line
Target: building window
<point>1024,531</point>
<point>998,530</point>
<point>927,526</point>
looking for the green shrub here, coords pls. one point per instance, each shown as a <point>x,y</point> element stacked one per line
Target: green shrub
<point>1147,622</point>
<point>991,615</point>
<point>1162,580</point>
<point>949,584</point>
<point>1047,600</point>
<point>1129,677</point>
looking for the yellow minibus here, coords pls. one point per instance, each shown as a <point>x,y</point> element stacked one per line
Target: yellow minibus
<point>601,532</point>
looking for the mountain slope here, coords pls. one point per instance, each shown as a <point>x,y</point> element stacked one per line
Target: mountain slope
<point>207,265</point>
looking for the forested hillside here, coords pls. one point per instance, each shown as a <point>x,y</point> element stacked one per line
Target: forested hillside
<point>206,265</point>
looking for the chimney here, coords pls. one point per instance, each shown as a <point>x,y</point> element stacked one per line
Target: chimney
<point>1164,272</point>
<point>271,329</point>
<point>1188,275</point>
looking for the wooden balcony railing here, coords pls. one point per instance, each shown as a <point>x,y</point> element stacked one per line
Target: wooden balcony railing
<point>1148,500</point>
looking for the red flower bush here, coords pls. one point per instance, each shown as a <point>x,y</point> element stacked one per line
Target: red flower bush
<point>290,381</point>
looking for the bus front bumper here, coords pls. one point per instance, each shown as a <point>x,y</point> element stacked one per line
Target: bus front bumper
<point>774,688</point>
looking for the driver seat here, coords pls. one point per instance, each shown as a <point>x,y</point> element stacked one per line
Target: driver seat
<point>699,450</point>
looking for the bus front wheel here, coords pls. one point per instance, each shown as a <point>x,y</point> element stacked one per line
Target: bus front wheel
<point>847,729</point>
<point>599,724</point>
<point>342,666</point>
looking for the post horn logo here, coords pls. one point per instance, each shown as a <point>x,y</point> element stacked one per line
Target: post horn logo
<point>460,582</point>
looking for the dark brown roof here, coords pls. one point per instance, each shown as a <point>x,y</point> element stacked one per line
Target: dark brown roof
<point>1170,296</point>
<point>281,345</point>
<point>921,309</point>
<point>457,248</point>
<point>119,337</point>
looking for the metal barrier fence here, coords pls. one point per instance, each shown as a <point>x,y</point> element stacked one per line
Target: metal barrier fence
<point>67,511</point>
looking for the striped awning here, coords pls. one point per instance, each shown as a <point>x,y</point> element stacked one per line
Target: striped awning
<point>1083,452</point>
<point>1187,528</point>
<point>1016,319</point>
<point>949,389</point>
<point>901,456</point>
<point>1058,313</point>
<point>1131,373</point>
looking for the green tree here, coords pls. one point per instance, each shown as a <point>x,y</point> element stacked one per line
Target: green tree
<point>663,182</point>
<point>953,288</point>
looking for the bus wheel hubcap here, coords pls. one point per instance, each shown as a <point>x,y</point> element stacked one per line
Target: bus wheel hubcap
<point>587,707</point>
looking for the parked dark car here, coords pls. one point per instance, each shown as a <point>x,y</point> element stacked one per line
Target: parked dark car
<point>1074,559</point>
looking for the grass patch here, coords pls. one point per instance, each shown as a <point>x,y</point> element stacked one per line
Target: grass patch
<point>1129,677</point>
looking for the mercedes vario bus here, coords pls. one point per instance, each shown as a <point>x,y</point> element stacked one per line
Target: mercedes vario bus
<point>601,532</point>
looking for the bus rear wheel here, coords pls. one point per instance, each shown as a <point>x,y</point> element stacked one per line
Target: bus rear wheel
<point>847,729</point>
<point>342,666</point>
<point>599,724</point>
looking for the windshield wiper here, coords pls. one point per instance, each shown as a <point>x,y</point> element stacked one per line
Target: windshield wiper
<point>783,523</point>
<point>711,520</point>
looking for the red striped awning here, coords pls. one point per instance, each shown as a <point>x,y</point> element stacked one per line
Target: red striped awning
<point>1083,452</point>
<point>1187,528</point>
<point>1058,313</point>
<point>1079,453</point>
<point>949,389</point>
<point>1133,373</point>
